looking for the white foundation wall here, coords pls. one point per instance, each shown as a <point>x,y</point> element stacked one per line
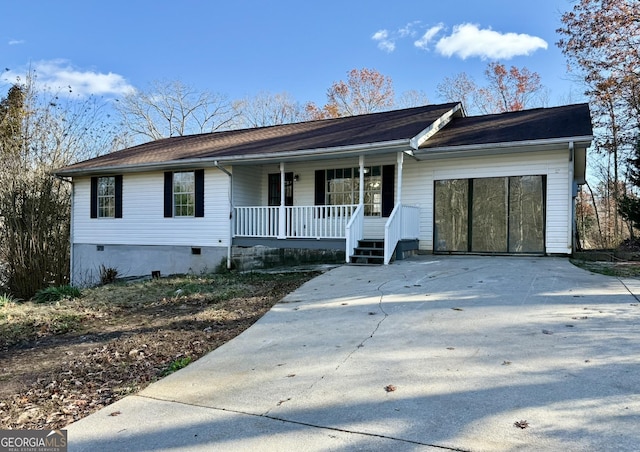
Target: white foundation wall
<point>143,221</point>
<point>419,177</point>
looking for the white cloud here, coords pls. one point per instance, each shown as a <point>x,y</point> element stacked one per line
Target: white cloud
<point>467,40</point>
<point>380,35</point>
<point>409,29</point>
<point>426,38</point>
<point>61,75</point>
<point>384,43</point>
<point>13,42</point>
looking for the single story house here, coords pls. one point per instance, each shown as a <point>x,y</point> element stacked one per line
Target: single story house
<point>368,188</point>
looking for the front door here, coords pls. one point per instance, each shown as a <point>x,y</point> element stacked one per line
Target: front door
<point>274,189</point>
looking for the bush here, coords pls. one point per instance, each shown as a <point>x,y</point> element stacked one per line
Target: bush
<point>631,244</point>
<point>51,294</point>
<point>108,275</point>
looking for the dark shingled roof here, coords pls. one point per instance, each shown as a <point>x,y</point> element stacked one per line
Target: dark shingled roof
<point>330,133</point>
<point>527,125</point>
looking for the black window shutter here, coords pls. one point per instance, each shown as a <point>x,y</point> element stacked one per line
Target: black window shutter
<point>388,191</point>
<point>118,213</point>
<point>199,182</point>
<point>94,198</point>
<point>320,188</point>
<point>168,194</point>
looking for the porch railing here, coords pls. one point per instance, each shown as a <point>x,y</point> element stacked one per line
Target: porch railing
<point>403,223</point>
<point>256,221</point>
<point>299,221</point>
<point>354,231</point>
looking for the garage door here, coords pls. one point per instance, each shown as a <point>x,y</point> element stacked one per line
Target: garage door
<point>490,215</point>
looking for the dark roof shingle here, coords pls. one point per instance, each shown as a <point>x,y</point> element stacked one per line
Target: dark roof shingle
<point>330,133</point>
<point>526,125</point>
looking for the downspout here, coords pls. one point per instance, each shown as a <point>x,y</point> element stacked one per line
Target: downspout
<point>230,239</point>
<point>572,207</point>
<point>73,195</point>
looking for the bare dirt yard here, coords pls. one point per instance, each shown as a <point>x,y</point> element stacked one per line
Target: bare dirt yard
<point>62,361</point>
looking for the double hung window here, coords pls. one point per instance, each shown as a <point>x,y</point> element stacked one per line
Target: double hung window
<point>106,197</point>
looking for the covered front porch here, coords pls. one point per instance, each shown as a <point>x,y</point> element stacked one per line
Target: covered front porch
<point>351,200</point>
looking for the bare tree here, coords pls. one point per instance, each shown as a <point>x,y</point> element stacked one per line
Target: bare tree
<point>365,91</point>
<point>507,89</point>
<point>602,43</point>
<point>411,98</point>
<point>267,109</point>
<point>172,108</point>
<point>40,132</point>
<point>460,88</point>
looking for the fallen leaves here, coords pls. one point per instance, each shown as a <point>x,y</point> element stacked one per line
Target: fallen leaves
<point>59,379</point>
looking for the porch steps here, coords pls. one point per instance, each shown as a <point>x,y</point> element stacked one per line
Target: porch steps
<point>368,252</point>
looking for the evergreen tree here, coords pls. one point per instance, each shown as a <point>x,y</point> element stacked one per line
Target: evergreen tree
<point>629,205</point>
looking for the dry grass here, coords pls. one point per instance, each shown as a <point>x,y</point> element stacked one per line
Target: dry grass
<point>620,269</point>
<point>62,361</point>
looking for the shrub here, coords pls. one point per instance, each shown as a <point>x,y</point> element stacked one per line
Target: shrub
<point>57,293</point>
<point>108,275</point>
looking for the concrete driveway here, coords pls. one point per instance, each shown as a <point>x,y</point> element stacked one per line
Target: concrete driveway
<point>432,353</point>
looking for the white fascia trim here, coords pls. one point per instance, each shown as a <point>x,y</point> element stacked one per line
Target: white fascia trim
<point>435,126</point>
<point>583,140</point>
<point>338,151</point>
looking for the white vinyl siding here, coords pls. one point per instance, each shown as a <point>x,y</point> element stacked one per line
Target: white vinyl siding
<point>246,180</point>
<point>143,221</point>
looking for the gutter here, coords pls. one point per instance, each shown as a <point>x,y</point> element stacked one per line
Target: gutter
<point>388,146</point>
<point>230,239</point>
<point>463,150</point>
<point>587,139</point>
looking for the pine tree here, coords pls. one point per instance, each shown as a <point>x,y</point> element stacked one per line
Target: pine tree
<point>629,205</point>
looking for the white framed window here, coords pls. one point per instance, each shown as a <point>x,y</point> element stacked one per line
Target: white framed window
<point>184,194</point>
<point>343,188</point>
<point>106,197</point>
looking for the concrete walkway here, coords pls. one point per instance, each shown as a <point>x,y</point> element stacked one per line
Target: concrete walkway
<point>428,354</point>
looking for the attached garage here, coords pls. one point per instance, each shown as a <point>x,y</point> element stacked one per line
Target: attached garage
<point>490,215</point>
<point>501,184</point>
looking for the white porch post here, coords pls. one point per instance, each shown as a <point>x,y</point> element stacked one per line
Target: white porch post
<point>281,211</point>
<point>361,192</point>
<point>400,163</point>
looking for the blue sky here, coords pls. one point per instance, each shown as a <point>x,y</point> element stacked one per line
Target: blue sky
<point>241,47</point>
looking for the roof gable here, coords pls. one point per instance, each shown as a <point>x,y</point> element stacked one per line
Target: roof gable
<point>380,128</point>
<point>526,125</point>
